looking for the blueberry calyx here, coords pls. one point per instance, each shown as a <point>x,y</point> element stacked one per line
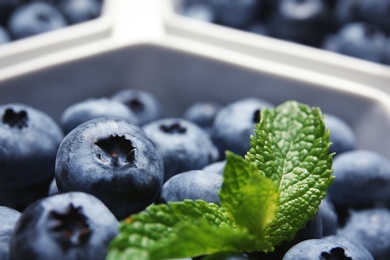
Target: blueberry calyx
<point>256,116</point>
<point>15,119</point>
<point>116,151</point>
<point>43,17</point>
<point>336,253</point>
<point>174,128</point>
<point>71,226</point>
<point>136,105</point>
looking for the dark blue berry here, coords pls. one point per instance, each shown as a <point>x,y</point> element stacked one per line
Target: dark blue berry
<point>342,135</point>
<point>113,160</point>
<point>29,140</point>
<point>92,108</point>
<point>34,18</point>
<point>193,185</point>
<point>143,104</point>
<point>8,219</point>
<point>77,11</point>
<point>371,228</point>
<point>183,145</point>
<point>358,39</point>
<point>233,125</point>
<point>362,178</point>
<point>72,225</point>
<point>325,249</point>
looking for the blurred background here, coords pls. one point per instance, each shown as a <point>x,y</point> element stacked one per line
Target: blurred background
<point>347,39</point>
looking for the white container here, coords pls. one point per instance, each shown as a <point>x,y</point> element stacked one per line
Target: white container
<point>267,48</point>
<point>181,72</point>
<point>38,46</point>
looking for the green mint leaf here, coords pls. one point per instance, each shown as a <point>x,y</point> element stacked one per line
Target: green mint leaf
<point>291,147</point>
<point>265,199</point>
<point>248,196</point>
<point>179,229</point>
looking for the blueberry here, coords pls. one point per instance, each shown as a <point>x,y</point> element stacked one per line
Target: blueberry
<point>350,244</point>
<point>35,18</point>
<point>199,10</point>
<point>29,140</point>
<point>346,11</point>
<point>258,28</point>
<point>8,218</point>
<point>358,39</point>
<point>237,14</point>
<point>202,113</point>
<point>92,108</point>
<point>4,35</point>
<point>146,106</point>
<point>183,145</point>
<point>72,225</point>
<point>193,185</point>
<point>234,124</point>
<point>329,217</point>
<point>216,167</point>
<point>77,11</point>
<point>362,178</point>
<point>376,12</point>
<point>301,21</point>
<point>327,249</point>
<point>371,228</point>
<point>112,160</point>
<point>342,135</point>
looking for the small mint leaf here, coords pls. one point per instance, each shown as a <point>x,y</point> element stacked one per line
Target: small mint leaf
<point>179,229</point>
<point>247,195</point>
<point>291,147</point>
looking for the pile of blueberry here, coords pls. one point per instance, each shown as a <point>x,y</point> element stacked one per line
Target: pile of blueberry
<point>24,18</point>
<point>64,186</point>
<point>357,28</point>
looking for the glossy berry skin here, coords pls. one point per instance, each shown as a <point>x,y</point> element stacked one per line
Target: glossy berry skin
<point>113,160</point>
<point>329,217</point>
<point>376,12</point>
<point>234,124</point>
<point>29,140</point>
<point>72,225</point>
<point>92,108</point>
<point>362,178</point>
<point>77,11</point>
<point>371,228</point>
<point>144,105</point>
<point>301,21</point>
<point>342,135</point>
<point>202,113</point>
<point>237,14</point>
<point>183,145</point>
<point>8,219</point>
<point>34,18</point>
<point>327,249</point>
<point>358,39</point>
<point>216,167</point>
<point>193,185</point>
<point>199,10</point>
<point>346,11</point>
